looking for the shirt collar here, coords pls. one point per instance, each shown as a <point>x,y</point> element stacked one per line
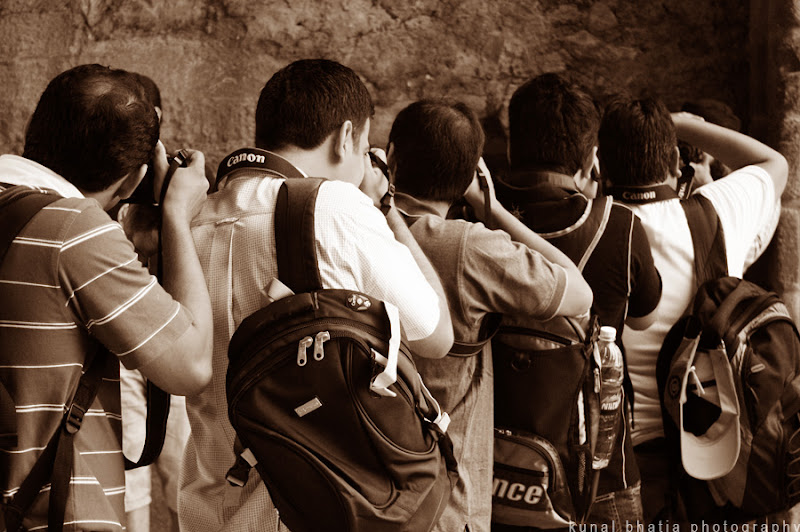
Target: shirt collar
<point>526,179</point>
<point>413,207</point>
<point>536,186</point>
<point>16,170</point>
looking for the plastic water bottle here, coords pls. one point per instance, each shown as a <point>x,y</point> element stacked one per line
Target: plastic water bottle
<point>611,374</point>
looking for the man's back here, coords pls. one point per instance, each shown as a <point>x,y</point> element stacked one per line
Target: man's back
<point>745,202</point>
<point>234,234</point>
<point>620,268</point>
<point>482,272</point>
<point>71,272</point>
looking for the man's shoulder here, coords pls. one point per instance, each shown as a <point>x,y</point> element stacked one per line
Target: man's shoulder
<point>344,203</point>
<point>66,217</point>
<point>741,184</point>
<point>433,232</point>
<point>333,193</point>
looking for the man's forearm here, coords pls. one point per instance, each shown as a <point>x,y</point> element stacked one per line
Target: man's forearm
<point>444,329</point>
<point>732,148</point>
<point>184,281</point>
<point>579,296</point>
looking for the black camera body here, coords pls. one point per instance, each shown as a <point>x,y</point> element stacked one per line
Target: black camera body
<point>144,194</point>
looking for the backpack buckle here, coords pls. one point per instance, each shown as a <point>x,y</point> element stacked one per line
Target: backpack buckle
<point>74,418</point>
<point>240,471</point>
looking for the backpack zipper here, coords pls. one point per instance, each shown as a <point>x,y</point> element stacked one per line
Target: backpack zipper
<point>254,373</point>
<point>541,446</point>
<point>245,358</point>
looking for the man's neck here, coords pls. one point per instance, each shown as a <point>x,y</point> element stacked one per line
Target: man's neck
<point>416,206</point>
<point>440,207</point>
<point>312,162</point>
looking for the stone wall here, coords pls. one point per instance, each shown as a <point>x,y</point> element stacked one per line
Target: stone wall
<point>211,57</point>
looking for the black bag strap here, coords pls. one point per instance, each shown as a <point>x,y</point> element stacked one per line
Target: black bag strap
<point>483,184</point>
<point>294,234</point>
<point>708,239</point>
<point>158,401</point>
<point>56,461</point>
<point>489,327</point>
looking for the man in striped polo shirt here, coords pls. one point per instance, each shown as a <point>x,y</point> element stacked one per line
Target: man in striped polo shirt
<point>71,278</point>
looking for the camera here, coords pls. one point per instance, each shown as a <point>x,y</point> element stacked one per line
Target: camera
<point>144,193</point>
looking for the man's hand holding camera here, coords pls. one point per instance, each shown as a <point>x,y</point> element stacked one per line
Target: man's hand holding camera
<point>376,181</point>
<point>185,194</point>
<point>187,189</point>
<point>476,192</point>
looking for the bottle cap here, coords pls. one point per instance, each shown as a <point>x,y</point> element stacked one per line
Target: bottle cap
<point>608,334</point>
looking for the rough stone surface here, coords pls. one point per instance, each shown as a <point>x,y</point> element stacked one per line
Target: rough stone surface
<point>211,57</point>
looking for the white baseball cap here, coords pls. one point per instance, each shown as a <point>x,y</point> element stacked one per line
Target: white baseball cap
<point>701,398</point>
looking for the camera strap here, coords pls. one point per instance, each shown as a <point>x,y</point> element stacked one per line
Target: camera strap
<point>158,401</point>
<point>256,159</point>
<point>643,194</point>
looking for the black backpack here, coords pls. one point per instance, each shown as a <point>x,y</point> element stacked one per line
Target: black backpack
<point>751,330</point>
<point>546,421</point>
<point>327,402</point>
<point>547,413</point>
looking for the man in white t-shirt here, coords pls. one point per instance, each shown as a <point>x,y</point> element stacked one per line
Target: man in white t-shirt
<point>312,119</point>
<point>639,160</point>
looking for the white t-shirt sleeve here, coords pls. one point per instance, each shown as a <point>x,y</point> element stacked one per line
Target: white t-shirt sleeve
<point>745,203</point>
<point>357,250</point>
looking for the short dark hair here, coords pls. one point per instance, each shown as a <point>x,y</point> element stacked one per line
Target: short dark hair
<point>436,147</point>
<point>636,142</point>
<point>92,127</point>
<point>150,89</point>
<point>552,125</point>
<point>306,101</point>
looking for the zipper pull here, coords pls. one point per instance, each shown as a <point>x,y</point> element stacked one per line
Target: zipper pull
<point>302,346</point>
<point>319,348</point>
<point>597,381</point>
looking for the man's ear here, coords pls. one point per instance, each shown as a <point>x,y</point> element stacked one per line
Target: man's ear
<point>583,176</point>
<point>343,141</point>
<point>675,164</point>
<point>129,183</point>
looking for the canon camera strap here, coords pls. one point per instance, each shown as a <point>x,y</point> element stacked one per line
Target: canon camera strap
<point>643,194</point>
<point>256,159</point>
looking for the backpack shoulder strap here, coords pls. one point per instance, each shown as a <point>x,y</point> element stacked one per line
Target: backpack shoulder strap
<point>708,239</point>
<point>55,463</point>
<point>601,228</point>
<point>294,234</point>
<point>158,403</point>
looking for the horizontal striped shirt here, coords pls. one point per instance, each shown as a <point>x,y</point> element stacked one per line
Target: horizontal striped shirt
<point>69,275</point>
